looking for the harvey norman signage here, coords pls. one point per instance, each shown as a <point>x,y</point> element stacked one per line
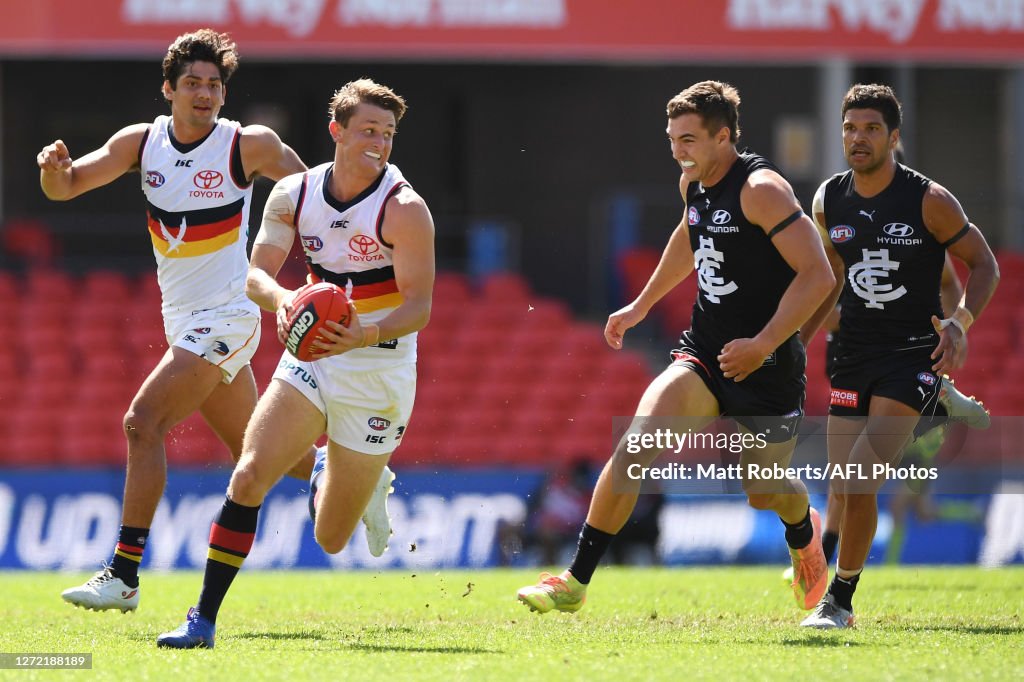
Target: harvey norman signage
<point>735,30</point>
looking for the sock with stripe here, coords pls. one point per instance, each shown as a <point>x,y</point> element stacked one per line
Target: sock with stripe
<point>843,587</point>
<point>231,538</point>
<point>593,544</point>
<point>131,543</point>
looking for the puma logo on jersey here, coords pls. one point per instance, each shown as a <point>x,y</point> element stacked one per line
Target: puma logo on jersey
<point>869,216</point>
<point>707,261</point>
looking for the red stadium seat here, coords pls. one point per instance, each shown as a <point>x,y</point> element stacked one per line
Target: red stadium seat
<point>506,287</point>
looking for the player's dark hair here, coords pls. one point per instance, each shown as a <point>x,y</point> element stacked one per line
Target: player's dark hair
<point>881,98</point>
<point>204,45</point>
<point>718,105</point>
<point>351,95</point>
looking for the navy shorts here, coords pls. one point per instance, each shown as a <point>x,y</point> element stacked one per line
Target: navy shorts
<point>769,401</point>
<point>904,376</point>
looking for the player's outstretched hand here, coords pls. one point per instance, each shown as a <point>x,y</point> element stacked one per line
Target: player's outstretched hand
<point>740,358</point>
<point>54,157</point>
<point>620,322</point>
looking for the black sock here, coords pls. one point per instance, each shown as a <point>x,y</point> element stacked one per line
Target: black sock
<point>829,541</point>
<point>842,590</point>
<point>592,546</point>
<point>231,538</point>
<point>798,535</point>
<point>131,543</point>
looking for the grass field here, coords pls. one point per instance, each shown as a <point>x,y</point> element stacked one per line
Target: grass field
<point>640,624</point>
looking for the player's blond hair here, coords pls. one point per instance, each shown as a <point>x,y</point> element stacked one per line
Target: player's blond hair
<point>354,93</point>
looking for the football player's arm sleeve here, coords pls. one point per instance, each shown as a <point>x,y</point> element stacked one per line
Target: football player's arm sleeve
<point>277,228</point>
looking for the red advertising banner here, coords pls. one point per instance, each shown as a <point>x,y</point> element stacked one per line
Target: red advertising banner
<point>947,31</point>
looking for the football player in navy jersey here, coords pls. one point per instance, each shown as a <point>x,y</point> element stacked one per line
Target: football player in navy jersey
<point>761,275</point>
<point>887,230</point>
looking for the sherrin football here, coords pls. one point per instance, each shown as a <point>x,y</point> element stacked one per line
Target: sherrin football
<point>312,306</point>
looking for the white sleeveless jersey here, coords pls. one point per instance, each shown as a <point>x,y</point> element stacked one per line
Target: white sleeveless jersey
<point>198,211</point>
<point>343,244</point>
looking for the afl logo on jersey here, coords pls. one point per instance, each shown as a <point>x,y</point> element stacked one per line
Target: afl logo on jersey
<point>154,179</point>
<point>720,217</point>
<point>841,233</point>
<point>898,230</point>
<point>312,243</point>
<point>693,216</point>
<point>926,378</point>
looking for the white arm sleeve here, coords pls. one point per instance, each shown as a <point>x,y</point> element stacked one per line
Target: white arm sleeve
<point>277,228</point>
<point>818,205</point>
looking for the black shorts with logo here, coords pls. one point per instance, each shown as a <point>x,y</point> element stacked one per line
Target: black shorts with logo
<point>769,401</point>
<point>903,375</point>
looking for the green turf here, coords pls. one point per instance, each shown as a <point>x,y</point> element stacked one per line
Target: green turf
<point>639,624</point>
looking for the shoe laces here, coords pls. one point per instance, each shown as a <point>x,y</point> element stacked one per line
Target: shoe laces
<point>827,608</point>
<point>555,583</point>
<point>804,568</point>
<point>102,577</point>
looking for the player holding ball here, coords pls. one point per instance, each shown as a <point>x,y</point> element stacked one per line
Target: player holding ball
<point>364,229</point>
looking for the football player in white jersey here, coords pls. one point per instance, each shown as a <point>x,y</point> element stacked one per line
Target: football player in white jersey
<point>360,389</point>
<point>212,330</point>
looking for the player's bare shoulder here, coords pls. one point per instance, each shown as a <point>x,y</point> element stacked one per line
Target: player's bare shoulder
<point>766,197</point>
<point>406,216</point>
<point>943,215</point>
<point>125,144</point>
<point>263,153</point>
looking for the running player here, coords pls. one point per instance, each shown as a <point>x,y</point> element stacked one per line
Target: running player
<point>364,228</point>
<point>760,277</point>
<point>197,171</point>
<point>888,230</point>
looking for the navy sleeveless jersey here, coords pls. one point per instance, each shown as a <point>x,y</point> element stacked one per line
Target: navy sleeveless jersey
<point>893,263</point>
<point>740,274</point>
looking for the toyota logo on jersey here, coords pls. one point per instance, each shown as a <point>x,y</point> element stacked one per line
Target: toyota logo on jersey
<point>208,179</point>
<point>364,245</point>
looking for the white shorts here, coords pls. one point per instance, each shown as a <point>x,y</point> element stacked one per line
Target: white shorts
<point>226,337</point>
<point>367,411</point>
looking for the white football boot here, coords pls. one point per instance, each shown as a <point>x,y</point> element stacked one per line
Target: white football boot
<point>103,591</point>
<point>376,518</point>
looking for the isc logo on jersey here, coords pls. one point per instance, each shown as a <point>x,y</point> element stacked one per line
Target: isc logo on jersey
<point>841,233</point>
